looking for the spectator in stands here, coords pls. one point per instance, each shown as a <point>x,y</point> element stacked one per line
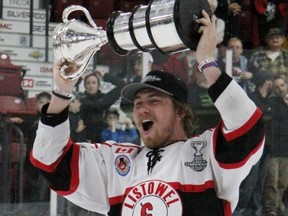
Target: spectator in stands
<point>270,14</point>
<point>94,102</point>
<point>135,75</point>
<point>277,176</point>
<point>273,58</point>
<point>240,71</point>
<point>77,126</point>
<point>251,189</point>
<point>228,10</point>
<point>112,132</point>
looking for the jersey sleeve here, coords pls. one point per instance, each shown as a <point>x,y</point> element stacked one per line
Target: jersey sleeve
<point>242,123</point>
<point>76,171</point>
<point>238,140</point>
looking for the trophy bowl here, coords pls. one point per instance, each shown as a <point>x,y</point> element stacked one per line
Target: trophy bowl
<point>75,42</point>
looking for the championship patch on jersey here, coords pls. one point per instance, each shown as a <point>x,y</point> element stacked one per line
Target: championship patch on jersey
<point>152,198</point>
<point>198,163</point>
<point>122,165</point>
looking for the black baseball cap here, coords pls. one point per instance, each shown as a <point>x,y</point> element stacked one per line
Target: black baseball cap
<point>160,80</point>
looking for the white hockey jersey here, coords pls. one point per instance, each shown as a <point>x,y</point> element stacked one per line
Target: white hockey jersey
<point>196,177</point>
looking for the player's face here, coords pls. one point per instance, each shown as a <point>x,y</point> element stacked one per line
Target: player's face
<point>156,119</point>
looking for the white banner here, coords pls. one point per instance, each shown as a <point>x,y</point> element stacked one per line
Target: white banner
<point>21,3</point>
<point>43,69</point>
<point>10,26</point>
<point>21,14</point>
<point>27,54</point>
<point>39,41</point>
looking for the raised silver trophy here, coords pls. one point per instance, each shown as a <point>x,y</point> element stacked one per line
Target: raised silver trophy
<point>166,25</point>
<point>75,42</point>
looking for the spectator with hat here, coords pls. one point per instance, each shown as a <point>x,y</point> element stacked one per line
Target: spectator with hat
<point>269,14</point>
<point>273,58</point>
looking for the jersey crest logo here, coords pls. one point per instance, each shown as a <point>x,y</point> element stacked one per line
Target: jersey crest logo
<point>198,163</point>
<point>122,165</point>
<point>152,198</point>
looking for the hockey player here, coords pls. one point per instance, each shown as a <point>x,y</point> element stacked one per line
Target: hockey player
<point>173,174</point>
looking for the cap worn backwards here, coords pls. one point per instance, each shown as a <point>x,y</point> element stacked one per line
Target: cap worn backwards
<point>161,81</point>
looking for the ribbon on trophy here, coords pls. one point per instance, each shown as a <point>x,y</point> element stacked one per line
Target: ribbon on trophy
<point>166,25</point>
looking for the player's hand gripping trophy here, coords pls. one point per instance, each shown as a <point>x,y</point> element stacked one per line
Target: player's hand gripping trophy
<point>166,25</point>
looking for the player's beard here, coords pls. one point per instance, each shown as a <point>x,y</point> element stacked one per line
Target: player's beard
<point>159,139</point>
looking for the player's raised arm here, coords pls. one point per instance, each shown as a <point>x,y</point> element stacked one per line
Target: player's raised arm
<point>63,89</point>
<point>228,96</point>
<point>206,48</point>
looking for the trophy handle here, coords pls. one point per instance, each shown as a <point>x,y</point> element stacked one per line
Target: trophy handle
<point>73,8</point>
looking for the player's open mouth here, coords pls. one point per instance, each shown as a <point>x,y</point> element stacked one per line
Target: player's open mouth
<point>147,124</point>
